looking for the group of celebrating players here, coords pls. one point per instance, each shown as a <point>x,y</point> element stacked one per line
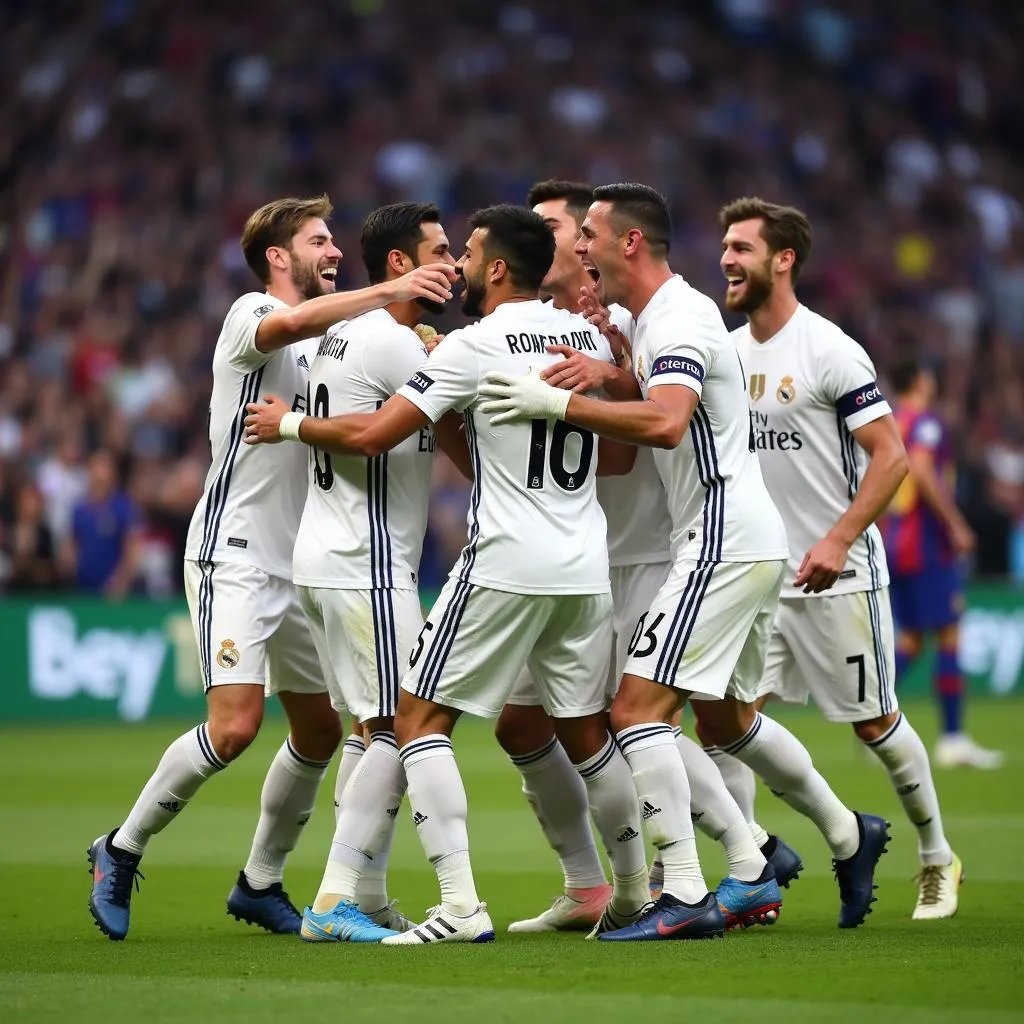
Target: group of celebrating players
<point>661,513</point>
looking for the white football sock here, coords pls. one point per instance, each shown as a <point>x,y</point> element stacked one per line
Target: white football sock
<point>352,750</point>
<point>906,760</point>
<point>782,761</point>
<point>365,825</point>
<point>439,811</point>
<point>742,784</point>
<point>661,784</point>
<point>287,801</point>
<point>187,763</point>
<point>716,814</point>
<point>558,796</point>
<point>611,796</point>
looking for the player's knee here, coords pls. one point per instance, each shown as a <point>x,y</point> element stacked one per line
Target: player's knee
<point>875,728</point>
<point>318,738</point>
<point>231,735</point>
<point>638,705</point>
<point>522,730</point>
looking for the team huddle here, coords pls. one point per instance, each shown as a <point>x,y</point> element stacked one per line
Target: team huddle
<point>661,514</point>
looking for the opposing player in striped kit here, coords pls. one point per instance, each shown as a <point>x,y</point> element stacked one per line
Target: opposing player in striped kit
<point>251,633</point>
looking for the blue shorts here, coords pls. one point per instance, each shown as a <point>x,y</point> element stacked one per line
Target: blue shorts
<point>923,602</point>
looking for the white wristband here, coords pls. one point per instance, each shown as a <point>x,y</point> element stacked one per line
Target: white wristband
<point>289,425</point>
<point>560,402</point>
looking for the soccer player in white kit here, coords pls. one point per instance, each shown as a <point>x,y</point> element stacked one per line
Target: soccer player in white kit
<point>531,586</point>
<point>706,632</point>
<point>251,634</point>
<point>639,527</point>
<point>356,561</point>
<point>832,459</point>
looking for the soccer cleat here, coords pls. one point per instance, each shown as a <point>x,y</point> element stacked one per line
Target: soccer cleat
<point>938,890</point>
<point>113,872</point>
<point>784,859</point>
<point>748,903</point>
<point>856,874</point>
<point>579,911</point>
<point>345,923</point>
<point>958,750</point>
<point>391,917</point>
<point>670,918</point>
<point>613,919</point>
<point>268,908</point>
<point>442,926</point>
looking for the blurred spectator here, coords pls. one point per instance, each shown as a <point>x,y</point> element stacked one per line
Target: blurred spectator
<point>29,548</point>
<point>138,134</point>
<point>103,548</point>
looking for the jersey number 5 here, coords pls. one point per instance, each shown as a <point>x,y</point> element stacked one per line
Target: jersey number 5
<point>567,479</point>
<point>323,471</point>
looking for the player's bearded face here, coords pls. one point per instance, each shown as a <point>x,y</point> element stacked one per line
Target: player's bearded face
<point>750,287</point>
<point>475,292</point>
<point>307,279</point>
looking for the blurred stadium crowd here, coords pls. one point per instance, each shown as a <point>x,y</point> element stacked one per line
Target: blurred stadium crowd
<point>137,135</point>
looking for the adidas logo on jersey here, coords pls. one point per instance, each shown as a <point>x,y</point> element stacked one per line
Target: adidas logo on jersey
<point>172,806</point>
<point>627,834</point>
<point>392,812</point>
<point>302,362</point>
<point>418,819</point>
<point>650,810</point>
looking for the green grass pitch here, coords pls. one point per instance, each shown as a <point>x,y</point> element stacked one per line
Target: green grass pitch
<point>186,960</point>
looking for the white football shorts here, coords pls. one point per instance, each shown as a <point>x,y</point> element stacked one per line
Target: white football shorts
<point>633,589</point>
<point>476,642</point>
<point>364,638</point>
<point>707,629</point>
<point>838,649</point>
<point>250,629</point>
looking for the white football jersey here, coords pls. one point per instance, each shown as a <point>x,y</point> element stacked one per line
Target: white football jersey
<point>635,505</point>
<point>364,520</point>
<point>535,525</point>
<point>811,385</point>
<point>712,478</point>
<point>253,497</point>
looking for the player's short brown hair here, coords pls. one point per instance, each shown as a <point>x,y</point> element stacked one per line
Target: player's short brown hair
<point>277,223</point>
<point>782,227</point>
<point>577,195</point>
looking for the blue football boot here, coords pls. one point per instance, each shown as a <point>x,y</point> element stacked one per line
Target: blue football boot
<point>268,908</point>
<point>856,874</point>
<point>670,918</point>
<point>114,872</point>
<point>748,903</point>
<point>784,859</point>
<point>345,923</point>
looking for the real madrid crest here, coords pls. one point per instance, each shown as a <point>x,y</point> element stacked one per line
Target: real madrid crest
<point>227,656</point>
<point>786,391</point>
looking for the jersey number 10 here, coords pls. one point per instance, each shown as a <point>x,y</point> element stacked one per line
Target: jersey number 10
<point>538,463</point>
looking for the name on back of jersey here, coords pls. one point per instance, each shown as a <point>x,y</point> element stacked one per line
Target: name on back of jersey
<point>528,344</point>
